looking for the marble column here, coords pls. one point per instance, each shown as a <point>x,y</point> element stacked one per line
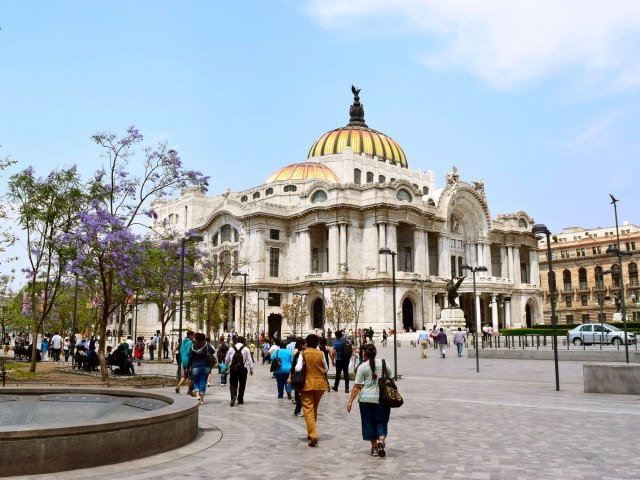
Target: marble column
<point>487,259</point>
<point>507,312</point>
<point>343,244</point>
<point>333,250</point>
<point>504,262</point>
<point>444,262</point>
<point>427,267</point>
<point>392,242</point>
<point>517,278</point>
<point>304,252</point>
<point>419,251</point>
<point>494,313</point>
<point>534,268</point>
<point>478,314</point>
<point>510,264</point>
<point>382,242</point>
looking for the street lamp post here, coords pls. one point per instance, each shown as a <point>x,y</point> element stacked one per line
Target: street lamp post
<point>540,229</point>
<point>191,237</point>
<point>617,251</point>
<point>422,282</point>
<point>388,251</point>
<point>237,273</point>
<point>476,320</point>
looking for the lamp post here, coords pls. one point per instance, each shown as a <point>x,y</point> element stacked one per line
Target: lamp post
<point>422,282</point>
<point>476,320</point>
<point>191,237</point>
<point>540,229</point>
<point>601,304</point>
<point>388,251</point>
<point>237,273</point>
<point>617,251</point>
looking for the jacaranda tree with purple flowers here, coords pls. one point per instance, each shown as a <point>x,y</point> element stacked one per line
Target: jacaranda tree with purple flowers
<point>110,255</point>
<point>47,211</point>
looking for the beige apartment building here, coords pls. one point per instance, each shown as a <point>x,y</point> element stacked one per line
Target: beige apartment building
<point>584,271</point>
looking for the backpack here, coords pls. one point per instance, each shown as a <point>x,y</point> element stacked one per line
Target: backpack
<point>347,349</point>
<point>211,361</point>
<point>237,361</point>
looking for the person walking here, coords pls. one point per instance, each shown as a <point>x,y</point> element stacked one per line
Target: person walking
<point>384,337</point>
<point>44,348</point>
<point>315,384</point>
<point>282,373</point>
<point>459,340</point>
<point>138,352</point>
<point>56,346</point>
<point>200,365</point>
<point>239,363</point>
<point>374,417</point>
<point>65,348</point>
<point>297,351</point>
<point>423,340</point>
<point>182,352</point>
<point>340,356</point>
<point>165,347</point>
<point>152,348</point>
<point>442,342</point>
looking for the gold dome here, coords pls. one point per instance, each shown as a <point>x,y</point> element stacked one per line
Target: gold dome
<point>360,138</point>
<point>304,171</point>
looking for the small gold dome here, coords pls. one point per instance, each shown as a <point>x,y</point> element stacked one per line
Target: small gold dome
<point>359,137</point>
<point>304,171</point>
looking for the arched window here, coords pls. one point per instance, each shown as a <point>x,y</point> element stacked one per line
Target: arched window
<point>425,190</point>
<point>381,179</point>
<point>615,275</point>
<point>415,185</point>
<point>290,188</point>
<point>391,180</point>
<point>177,218</point>
<point>357,176</point>
<point>403,195</point>
<point>244,199</point>
<point>582,279</point>
<point>225,260</point>
<point>369,177</point>
<point>269,191</point>
<point>215,240</point>
<point>256,195</point>
<point>170,218</point>
<point>522,223</point>
<point>599,279</point>
<point>319,196</point>
<point>236,237</point>
<point>566,280</point>
<point>633,274</point>
<point>431,203</point>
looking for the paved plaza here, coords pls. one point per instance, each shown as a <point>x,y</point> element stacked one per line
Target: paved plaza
<point>505,422</point>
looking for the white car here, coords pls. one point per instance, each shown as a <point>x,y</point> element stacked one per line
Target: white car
<point>590,333</point>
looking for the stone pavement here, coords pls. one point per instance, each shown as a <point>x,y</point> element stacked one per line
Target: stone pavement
<point>505,422</point>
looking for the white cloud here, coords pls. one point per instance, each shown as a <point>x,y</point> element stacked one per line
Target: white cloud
<point>597,134</point>
<point>509,43</point>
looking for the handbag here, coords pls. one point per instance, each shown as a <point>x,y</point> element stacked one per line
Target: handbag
<point>276,363</point>
<point>389,395</point>
<point>297,379</point>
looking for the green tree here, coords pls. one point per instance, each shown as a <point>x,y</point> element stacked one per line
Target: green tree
<point>48,208</point>
<point>295,314</point>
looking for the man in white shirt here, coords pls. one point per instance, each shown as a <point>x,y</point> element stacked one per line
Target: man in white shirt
<point>56,346</point>
<point>238,370</point>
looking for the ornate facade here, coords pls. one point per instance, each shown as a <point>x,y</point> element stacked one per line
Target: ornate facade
<point>318,225</point>
<point>579,260</point>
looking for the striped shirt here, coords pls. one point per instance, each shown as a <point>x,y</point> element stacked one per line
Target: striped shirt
<point>370,393</point>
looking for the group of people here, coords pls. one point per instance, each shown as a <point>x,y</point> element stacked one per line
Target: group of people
<point>311,355</point>
<point>441,341</point>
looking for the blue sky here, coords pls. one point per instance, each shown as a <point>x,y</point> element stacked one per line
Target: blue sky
<point>539,100</point>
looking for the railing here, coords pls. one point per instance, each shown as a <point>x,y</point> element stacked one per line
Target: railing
<point>541,342</point>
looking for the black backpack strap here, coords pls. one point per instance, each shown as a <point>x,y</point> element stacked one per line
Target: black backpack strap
<point>384,369</point>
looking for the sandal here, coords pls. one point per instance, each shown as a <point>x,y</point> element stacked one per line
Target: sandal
<point>381,452</point>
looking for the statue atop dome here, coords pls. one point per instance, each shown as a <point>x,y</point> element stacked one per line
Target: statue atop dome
<point>356,112</point>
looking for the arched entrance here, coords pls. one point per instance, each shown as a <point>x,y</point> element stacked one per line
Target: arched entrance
<point>275,325</point>
<point>528,315</point>
<point>318,311</point>
<point>407,315</point>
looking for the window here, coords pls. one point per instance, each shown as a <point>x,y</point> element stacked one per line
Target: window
<point>274,262</point>
<point>290,188</point>
<point>269,191</point>
<point>567,301</point>
<point>319,197</point>
<point>633,245</point>
<point>215,266</point>
<point>586,318</point>
<point>425,190</point>
<point>274,299</point>
<point>225,233</point>
<point>599,278</point>
<point>392,180</point>
<point>582,279</point>
<point>256,195</point>
<point>244,198</point>
<point>522,223</point>
<point>225,260</point>
<point>215,240</point>
<point>431,202</point>
<point>274,234</point>
<point>403,195</point>
<point>236,264</point>
<point>633,274</point>
<point>369,177</point>
<point>566,279</point>
<point>357,176</point>
<point>584,299</point>
<point>569,319</point>
<point>615,276</point>
<point>381,179</point>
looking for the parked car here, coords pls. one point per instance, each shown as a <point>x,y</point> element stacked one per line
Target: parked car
<point>590,333</point>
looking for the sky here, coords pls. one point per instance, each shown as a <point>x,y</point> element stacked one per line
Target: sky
<point>538,98</point>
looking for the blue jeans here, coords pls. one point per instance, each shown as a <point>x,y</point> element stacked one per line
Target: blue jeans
<point>459,345</point>
<point>342,367</point>
<point>200,373</point>
<point>223,378</point>
<point>374,418</point>
<point>281,381</point>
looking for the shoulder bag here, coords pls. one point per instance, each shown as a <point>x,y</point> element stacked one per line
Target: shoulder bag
<point>389,395</point>
<point>276,363</point>
<point>297,378</point>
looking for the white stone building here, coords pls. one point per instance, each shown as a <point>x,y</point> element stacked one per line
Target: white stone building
<point>325,219</point>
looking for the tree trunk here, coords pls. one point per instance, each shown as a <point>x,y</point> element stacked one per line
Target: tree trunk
<point>104,371</point>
